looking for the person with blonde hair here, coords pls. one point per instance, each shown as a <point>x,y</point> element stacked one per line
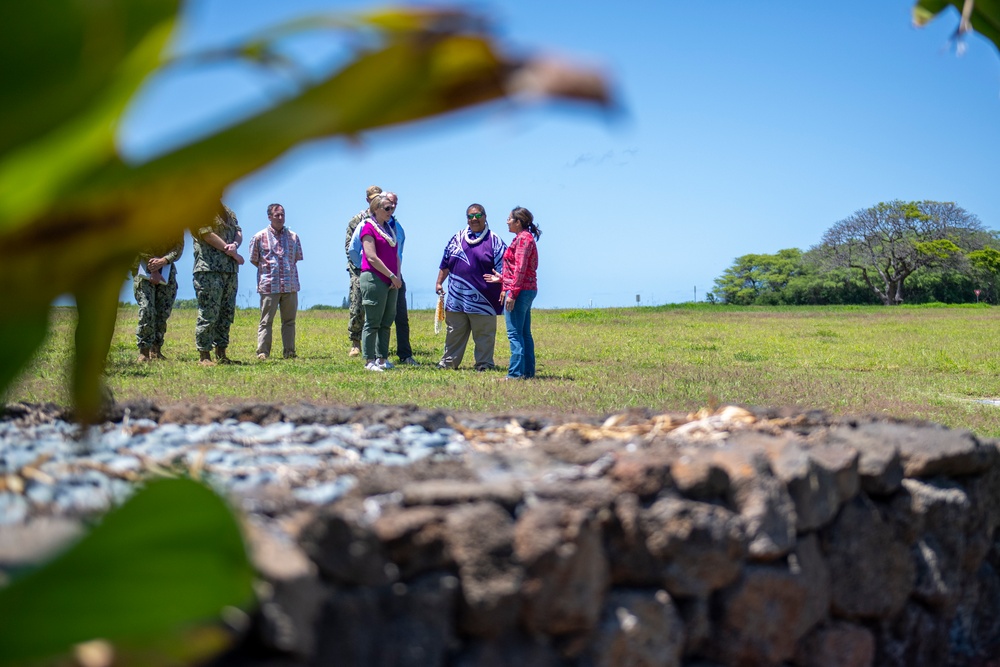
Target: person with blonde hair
<point>379,281</point>
<point>402,319</point>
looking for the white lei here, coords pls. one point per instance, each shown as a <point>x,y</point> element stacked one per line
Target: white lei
<point>387,234</point>
<point>474,241</point>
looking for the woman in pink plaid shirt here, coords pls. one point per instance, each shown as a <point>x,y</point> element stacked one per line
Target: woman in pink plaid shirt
<point>520,286</point>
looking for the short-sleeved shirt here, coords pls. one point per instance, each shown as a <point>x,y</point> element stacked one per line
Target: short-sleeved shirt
<point>353,256</point>
<point>467,260</point>
<point>354,249</point>
<point>169,251</point>
<point>384,251</point>
<point>209,258</point>
<point>275,255</point>
<point>520,264</point>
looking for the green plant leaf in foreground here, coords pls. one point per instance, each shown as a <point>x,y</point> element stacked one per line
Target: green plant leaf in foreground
<point>73,214</point>
<point>983,16</point>
<point>171,556</point>
<point>62,56</point>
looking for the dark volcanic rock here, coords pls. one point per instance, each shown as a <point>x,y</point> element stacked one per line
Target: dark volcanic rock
<point>637,627</point>
<point>393,535</point>
<point>481,542</point>
<point>871,568</point>
<point>566,572</point>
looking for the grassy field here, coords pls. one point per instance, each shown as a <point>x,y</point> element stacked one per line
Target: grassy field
<point>935,363</point>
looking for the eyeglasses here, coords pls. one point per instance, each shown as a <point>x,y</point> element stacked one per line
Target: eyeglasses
<point>388,208</point>
<point>475,216</point>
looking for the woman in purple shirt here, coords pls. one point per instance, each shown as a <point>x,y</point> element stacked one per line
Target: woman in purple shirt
<point>473,304</point>
<point>379,282</point>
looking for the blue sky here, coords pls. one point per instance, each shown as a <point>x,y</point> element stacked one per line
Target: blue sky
<point>748,127</point>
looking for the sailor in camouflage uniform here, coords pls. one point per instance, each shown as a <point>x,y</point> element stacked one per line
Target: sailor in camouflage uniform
<point>216,274</point>
<point>155,287</point>
<point>356,320</point>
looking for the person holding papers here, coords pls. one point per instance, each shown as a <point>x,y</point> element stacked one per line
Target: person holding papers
<point>155,288</point>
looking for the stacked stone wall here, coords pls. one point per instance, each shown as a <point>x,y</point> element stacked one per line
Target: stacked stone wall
<point>736,538</point>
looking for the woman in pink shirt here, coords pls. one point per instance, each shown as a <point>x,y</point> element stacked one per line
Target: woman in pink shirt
<point>520,286</point>
<point>379,282</point>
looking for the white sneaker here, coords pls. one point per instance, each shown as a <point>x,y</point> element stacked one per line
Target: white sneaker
<point>386,364</point>
<point>373,366</point>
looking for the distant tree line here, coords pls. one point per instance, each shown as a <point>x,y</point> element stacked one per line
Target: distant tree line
<point>894,252</point>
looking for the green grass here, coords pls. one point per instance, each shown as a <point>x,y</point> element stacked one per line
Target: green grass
<point>912,362</point>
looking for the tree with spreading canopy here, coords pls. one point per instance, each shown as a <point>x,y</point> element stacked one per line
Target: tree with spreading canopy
<point>789,277</point>
<point>887,242</point>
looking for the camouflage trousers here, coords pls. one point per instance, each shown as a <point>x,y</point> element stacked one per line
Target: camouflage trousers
<point>155,303</point>
<point>216,294</point>
<point>356,321</point>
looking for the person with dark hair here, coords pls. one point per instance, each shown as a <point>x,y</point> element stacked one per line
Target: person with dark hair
<point>520,286</point>
<point>276,251</point>
<point>473,304</point>
<point>216,277</point>
<point>379,281</point>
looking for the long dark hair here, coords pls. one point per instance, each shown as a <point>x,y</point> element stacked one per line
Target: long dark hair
<point>527,220</point>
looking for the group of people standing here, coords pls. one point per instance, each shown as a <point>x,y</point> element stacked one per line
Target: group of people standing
<point>485,276</point>
<point>275,251</point>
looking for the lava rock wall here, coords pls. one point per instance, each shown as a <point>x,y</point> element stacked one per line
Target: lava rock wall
<point>760,541</point>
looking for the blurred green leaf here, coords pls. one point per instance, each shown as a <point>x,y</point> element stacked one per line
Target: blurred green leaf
<point>96,309</point>
<point>58,125</point>
<point>72,214</point>
<point>61,56</point>
<point>984,15</point>
<point>172,555</point>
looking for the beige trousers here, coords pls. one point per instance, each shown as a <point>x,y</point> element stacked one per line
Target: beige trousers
<point>287,303</point>
<point>482,328</point>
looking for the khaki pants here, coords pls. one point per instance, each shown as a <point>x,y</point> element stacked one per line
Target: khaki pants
<point>483,329</point>
<point>270,304</point>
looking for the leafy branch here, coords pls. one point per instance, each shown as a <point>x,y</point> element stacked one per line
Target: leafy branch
<point>73,213</point>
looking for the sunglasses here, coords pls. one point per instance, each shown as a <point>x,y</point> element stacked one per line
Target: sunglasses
<point>475,216</point>
<point>388,208</point>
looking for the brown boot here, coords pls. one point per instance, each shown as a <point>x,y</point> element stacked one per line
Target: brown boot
<point>206,358</point>
<point>143,355</point>
<point>222,359</point>
<point>154,353</point>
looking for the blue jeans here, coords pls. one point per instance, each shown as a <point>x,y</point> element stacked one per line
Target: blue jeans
<point>522,345</point>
